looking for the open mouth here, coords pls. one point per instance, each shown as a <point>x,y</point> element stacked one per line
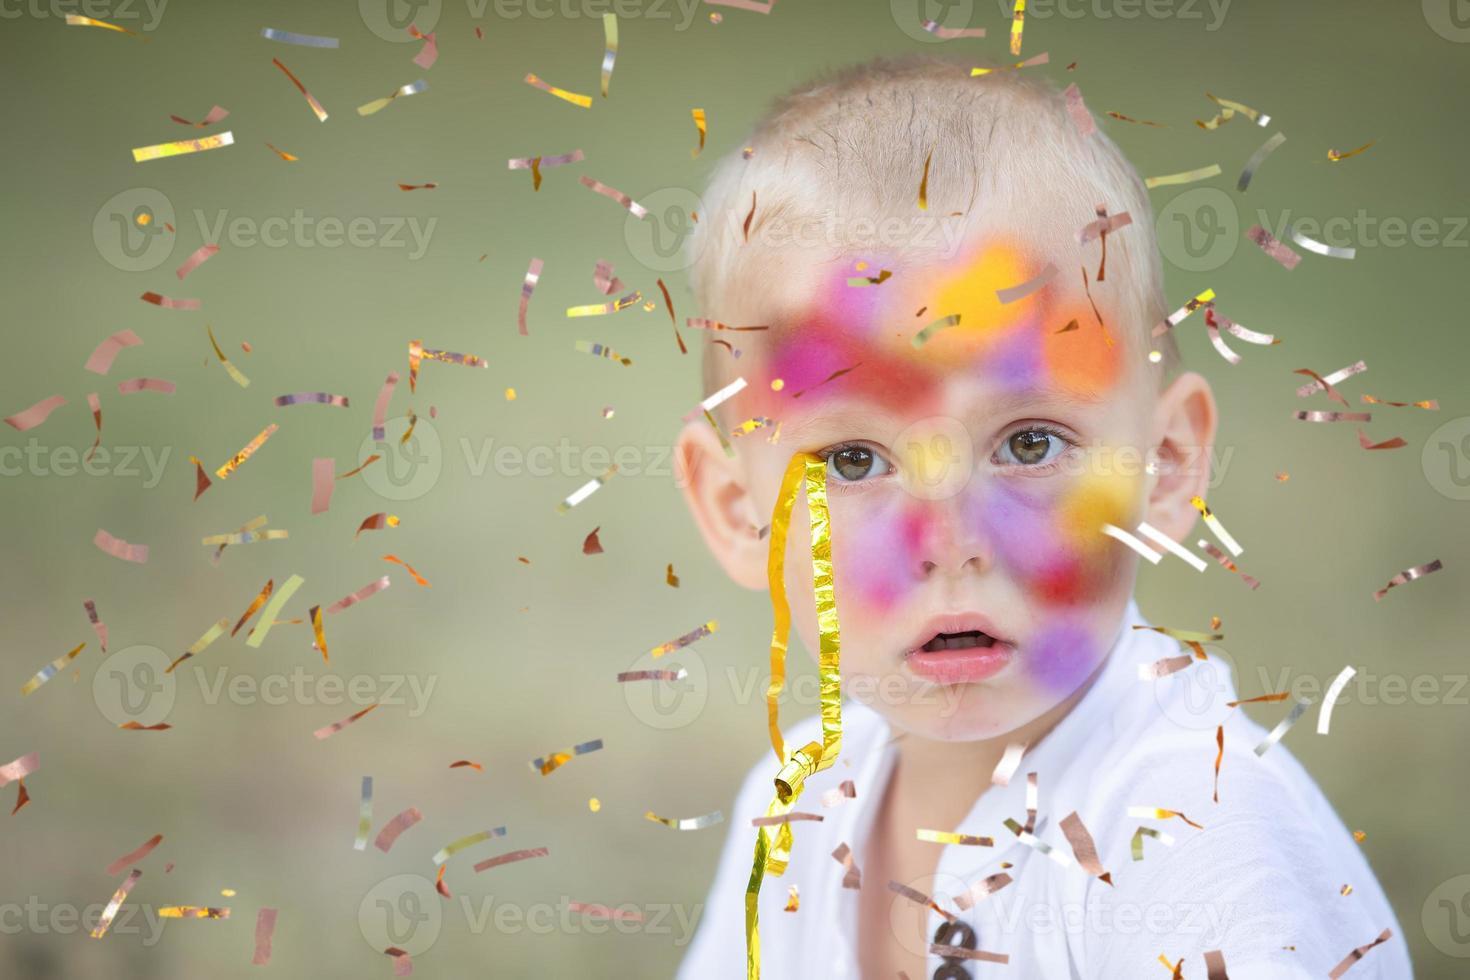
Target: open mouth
<point>967,640</point>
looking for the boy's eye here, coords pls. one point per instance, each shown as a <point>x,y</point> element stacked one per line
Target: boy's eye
<point>1031,446</point>
<point>852,464</point>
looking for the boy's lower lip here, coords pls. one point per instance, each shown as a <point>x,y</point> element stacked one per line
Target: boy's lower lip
<point>966,666</point>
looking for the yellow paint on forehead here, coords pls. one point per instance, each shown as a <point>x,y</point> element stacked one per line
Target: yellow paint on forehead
<point>968,287</point>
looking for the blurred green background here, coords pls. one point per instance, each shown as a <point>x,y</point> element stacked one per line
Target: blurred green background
<point>513,660</point>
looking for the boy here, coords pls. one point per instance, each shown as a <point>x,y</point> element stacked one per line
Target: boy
<point>984,396</point>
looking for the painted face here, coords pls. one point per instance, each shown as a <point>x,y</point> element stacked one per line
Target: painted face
<point>969,477</point>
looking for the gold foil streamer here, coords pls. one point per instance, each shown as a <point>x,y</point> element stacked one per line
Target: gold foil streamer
<point>813,757</point>
<point>950,837</point>
<point>77,20</point>
<point>1408,575</point>
<point>550,763</point>
<point>687,823</point>
<point>230,369</point>
<point>599,309</point>
<point>234,462</point>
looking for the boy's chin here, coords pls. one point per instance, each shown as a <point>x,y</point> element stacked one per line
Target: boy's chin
<point>960,712</point>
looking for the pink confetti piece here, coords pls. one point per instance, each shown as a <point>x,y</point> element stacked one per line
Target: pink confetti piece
<point>1020,291</point>
<point>429,53</point>
<point>598,187</point>
<point>133,857</point>
<point>100,361</point>
<point>605,911</point>
<point>201,255</point>
<point>215,115</point>
<point>265,930</point>
<point>1273,247</point>
<point>367,590</point>
<point>1081,118</point>
<point>118,897</point>
<point>402,962</point>
<point>118,548</point>
<point>158,299</point>
<point>98,627</point>
<point>393,828</point>
<point>336,726</point>
<point>36,414</point>
<point>134,385</point>
<point>380,408</point>
<point>528,285</point>
<point>20,768</point>
<point>512,857</point>
<point>323,481</point>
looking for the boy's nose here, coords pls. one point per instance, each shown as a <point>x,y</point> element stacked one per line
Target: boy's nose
<point>947,544</point>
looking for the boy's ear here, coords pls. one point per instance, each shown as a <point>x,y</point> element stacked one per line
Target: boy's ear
<point>715,487</point>
<point>1184,423</point>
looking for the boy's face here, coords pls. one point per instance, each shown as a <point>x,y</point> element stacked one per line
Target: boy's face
<point>968,479</point>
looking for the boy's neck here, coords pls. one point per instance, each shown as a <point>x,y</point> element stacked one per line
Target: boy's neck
<point>946,778</point>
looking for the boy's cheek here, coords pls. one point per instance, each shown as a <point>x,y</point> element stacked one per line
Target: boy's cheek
<point>874,551</point>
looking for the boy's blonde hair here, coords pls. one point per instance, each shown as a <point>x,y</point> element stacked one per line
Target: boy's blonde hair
<point>840,159</point>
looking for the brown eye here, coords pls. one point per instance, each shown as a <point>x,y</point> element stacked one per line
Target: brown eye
<point>1030,447</point>
<point>854,463</point>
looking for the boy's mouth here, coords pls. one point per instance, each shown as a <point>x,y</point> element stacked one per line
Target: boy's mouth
<point>958,650</point>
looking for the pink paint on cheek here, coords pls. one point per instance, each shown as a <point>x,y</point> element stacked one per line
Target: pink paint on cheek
<point>1061,656</point>
<point>876,555</point>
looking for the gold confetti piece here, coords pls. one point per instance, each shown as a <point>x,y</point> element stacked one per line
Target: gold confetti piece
<point>594,804</point>
<point>288,157</point>
<point>700,123</point>
<point>1141,833</point>
<point>812,757</point>
<point>1274,248</point>
<point>193,912</point>
<point>1358,954</point>
<point>1185,177</point>
<point>918,898</point>
<point>1155,813</point>
<point>923,186</point>
<point>337,726</point>
<point>584,101</point>
<point>273,608</point>
<point>512,857</point>
<point>254,606</point>
<point>49,671</point>
<point>599,309</point>
<point>118,897</point>
<point>982,890</point>
<point>1336,157</point>
<point>449,850</point>
<point>230,369</point>
<point>234,462</point>
<point>950,837</point>
<point>417,352</point>
<point>1345,890</point>
<point>1018,24</point>
<point>1032,62</point>
<point>687,823</point>
<point>965,953</point>
<point>1431,405</point>
<point>1141,122</point>
<point>793,899</point>
<point>1359,836</point>
<point>610,55</point>
<point>76,20</point>
<point>861,281</point>
<point>670,578</point>
<point>750,216</point>
<point>1408,575</point>
<point>158,151</point>
<point>201,644</point>
<point>1178,316</point>
<point>692,636</point>
<point>1283,727</point>
<point>1231,106</point>
<point>315,615</point>
<point>1321,248</point>
<point>377,105</point>
<point>1216,528</point>
<point>548,764</point>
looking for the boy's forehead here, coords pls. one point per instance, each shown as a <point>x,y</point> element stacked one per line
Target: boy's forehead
<point>894,329</point>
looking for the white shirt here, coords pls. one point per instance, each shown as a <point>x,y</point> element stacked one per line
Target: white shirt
<point>1265,874</point>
